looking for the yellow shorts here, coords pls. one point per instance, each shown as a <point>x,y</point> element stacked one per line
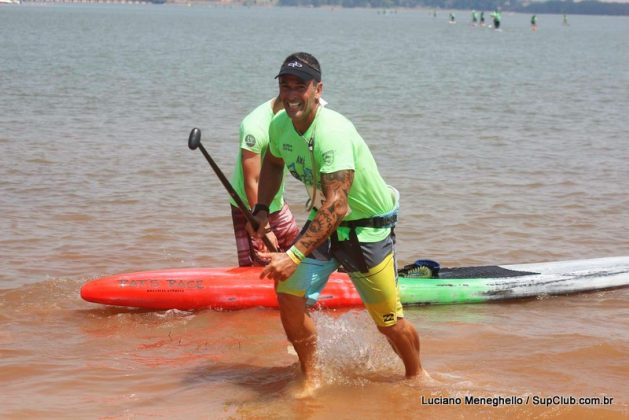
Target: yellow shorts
<point>379,292</point>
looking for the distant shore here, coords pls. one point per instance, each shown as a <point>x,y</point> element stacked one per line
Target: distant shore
<point>34,2</point>
<point>566,7</point>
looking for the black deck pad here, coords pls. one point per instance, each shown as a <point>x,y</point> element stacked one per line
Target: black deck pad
<point>480,272</point>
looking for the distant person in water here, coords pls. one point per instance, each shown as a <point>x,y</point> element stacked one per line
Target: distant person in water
<point>497,17</point>
<point>474,17</point>
<point>482,18</point>
<point>534,23</point>
<point>452,18</point>
<point>565,20</point>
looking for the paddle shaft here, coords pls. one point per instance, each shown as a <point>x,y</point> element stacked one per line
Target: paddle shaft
<point>236,197</point>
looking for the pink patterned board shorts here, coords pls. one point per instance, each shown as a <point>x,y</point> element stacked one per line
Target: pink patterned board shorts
<point>283,225</point>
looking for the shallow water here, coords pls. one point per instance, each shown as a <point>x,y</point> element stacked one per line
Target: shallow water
<point>507,147</point>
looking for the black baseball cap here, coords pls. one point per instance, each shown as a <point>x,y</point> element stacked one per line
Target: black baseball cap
<point>300,69</point>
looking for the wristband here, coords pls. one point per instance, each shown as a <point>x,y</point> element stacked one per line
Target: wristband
<point>260,207</point>
<point>297,253</point>
<point>293,257</point>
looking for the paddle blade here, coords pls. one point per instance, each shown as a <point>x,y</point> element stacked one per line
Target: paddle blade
<point>195,139</point>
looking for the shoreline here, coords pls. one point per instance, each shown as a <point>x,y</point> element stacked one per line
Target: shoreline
<point>624,7</point>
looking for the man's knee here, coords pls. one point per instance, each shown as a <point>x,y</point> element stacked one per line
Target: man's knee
<point>291,303</point>
<point>293,314</point>
<point>392,330</point>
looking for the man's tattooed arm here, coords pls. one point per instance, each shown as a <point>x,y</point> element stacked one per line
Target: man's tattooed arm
<point>335,187</point>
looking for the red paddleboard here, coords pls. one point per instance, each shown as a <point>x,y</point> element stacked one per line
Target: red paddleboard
<point>200,288</point>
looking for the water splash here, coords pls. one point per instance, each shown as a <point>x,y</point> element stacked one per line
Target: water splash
<point>350,349</point>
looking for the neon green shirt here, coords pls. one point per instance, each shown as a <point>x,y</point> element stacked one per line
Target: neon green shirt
<point>337,147</point>
<point>254,136</point>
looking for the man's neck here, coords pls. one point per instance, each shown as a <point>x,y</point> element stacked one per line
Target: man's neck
<point>303,127</point>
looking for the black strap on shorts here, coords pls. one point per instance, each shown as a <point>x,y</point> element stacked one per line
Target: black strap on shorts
<point>374,222</point>
<point>354,247</point>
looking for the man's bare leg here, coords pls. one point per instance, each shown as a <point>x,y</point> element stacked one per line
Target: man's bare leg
<point>405,342</point>
<point>300,331</point>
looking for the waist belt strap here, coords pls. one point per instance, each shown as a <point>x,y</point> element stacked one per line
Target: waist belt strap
<point>375,222</point>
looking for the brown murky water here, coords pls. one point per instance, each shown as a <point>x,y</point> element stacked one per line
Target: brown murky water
<point>516,157</point>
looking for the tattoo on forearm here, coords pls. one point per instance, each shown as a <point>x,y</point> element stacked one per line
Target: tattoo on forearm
<point>315,226</point>
<point>335,187</point>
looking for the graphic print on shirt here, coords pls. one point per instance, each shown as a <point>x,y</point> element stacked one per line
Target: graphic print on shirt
<point>301,171</point>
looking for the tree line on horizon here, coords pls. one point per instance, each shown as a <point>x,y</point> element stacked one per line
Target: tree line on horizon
<point>588,7</point>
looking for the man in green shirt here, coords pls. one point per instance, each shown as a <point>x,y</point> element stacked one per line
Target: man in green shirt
<point>497,17</point>
<point>282,228</point>
<point>350,224</point>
